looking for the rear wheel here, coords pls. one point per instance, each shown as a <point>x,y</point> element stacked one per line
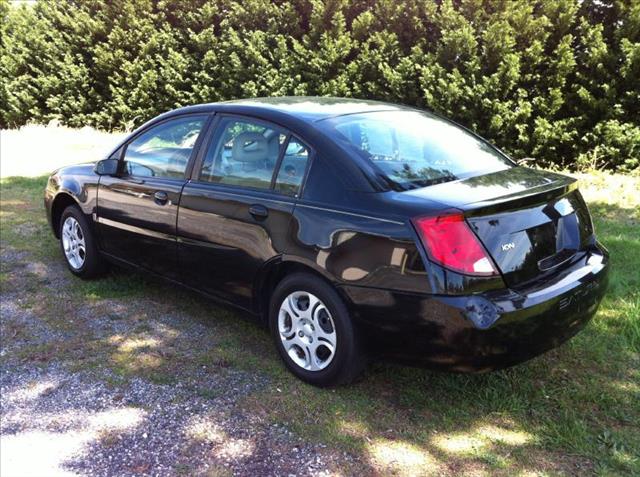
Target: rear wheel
<point>78,244</point>
<point>313,332</point>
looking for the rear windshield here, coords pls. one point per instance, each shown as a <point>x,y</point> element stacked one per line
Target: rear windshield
<point>416,149</point>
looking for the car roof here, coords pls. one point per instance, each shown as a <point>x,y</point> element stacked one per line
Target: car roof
<point>305,108</point>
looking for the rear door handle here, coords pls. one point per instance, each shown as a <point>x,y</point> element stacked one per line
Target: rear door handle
<point>161,197</point>
<point>258,211</point>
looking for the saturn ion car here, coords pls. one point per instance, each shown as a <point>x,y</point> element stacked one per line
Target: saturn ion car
<point>351,229</point>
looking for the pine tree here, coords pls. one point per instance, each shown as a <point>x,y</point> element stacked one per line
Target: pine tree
<point>553,79</point>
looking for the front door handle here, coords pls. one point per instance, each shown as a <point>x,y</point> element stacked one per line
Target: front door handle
<point>161,197</point>
<point>258,211</point>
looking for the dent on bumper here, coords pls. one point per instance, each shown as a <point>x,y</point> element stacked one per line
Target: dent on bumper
<point>485,331</point>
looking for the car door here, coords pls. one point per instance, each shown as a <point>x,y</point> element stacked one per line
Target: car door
<point>235,212</point>
<point>137,209</point>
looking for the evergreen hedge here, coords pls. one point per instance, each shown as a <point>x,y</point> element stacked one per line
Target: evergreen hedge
<point>557,80</point>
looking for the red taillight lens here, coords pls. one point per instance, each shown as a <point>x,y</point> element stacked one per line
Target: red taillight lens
<point>452,244</point>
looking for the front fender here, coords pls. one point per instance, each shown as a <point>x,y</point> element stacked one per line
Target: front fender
<point>71,185</point>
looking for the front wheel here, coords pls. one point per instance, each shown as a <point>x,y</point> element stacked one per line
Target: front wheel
<point>78,244</point>
<point>313,332</point>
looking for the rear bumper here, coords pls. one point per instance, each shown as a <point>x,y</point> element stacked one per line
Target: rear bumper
<point>486,331</point>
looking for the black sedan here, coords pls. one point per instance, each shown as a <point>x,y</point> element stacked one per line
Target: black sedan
<point>350,228</point>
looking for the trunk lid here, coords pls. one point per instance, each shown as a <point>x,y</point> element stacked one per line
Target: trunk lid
<point>533,223</point>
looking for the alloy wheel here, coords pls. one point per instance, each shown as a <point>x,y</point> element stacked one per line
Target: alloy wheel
<point>307,331</point>
<point>73,243</point>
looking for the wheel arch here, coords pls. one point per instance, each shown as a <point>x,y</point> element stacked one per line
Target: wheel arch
<point>273,272</point>
<point>62,200</point>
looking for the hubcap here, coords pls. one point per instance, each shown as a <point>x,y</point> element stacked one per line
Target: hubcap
<point>307,331</point>
<point>73,243</point>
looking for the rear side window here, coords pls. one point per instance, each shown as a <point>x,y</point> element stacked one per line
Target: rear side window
<point>415,149</point>
<point>292,168</point>
<point>165,149</point>
<point>243,153</point>
<point>256,155</point>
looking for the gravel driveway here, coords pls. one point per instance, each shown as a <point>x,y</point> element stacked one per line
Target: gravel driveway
<point>65,411</point>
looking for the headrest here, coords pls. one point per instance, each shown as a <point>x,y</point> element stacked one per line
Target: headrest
<point>250,146</point>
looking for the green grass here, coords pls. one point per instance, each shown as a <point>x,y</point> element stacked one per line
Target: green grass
<point>575,410</point>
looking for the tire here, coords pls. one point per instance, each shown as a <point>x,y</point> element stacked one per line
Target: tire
<point>84,260</point>
<point>304,337</point>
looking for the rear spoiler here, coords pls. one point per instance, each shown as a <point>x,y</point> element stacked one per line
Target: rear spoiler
<point>526,198</point>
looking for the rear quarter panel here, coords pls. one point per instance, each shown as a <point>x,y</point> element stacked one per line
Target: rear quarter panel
<point>355,249</point>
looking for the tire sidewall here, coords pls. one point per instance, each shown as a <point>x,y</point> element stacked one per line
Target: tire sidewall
<point>345,344</point>
<point>90,251</point>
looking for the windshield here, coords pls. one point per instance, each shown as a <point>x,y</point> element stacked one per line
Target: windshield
<point>415,149</point>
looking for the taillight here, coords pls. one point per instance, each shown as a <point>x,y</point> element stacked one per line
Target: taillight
<point>451,243</point>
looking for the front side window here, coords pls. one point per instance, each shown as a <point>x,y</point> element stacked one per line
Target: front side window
<point>414,149</point>
<point>165,149</point>
<point>243,153</point>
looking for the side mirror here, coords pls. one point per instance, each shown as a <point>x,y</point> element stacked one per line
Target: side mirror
<point>106,167</point>
<point>525,160</point>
